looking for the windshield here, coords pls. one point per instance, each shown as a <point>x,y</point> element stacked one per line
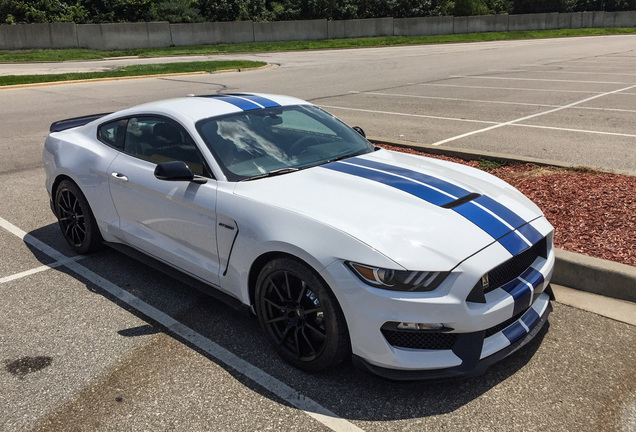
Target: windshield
<point>278,140</point>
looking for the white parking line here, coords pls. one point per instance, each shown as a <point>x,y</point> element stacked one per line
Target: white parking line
<point>594,65</point>
<point>576,130</point>
<point>453,99</point>
<point>510,88</point>
<point>488,101</point>
<point>604,61</point>
<point>512,122</point>
<point>268,382</point>
<point>534,79</point>
<point>586,73</point>
<point>410,115</point>
<point>40,269</point>
<point>496,124</point>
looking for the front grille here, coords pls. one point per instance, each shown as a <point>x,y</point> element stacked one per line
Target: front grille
<point>419,340</point>
<point>499,276</point>
<point>499,327</point>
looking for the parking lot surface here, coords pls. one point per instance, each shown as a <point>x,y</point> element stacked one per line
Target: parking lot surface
<point>101,342</point>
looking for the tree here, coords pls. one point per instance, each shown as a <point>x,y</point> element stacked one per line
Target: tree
<point>40,11</point>
<point>119,10</point>
<point>177,11</point>
<point>470,8</point>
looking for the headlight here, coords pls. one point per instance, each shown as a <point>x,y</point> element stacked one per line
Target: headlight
<point>398,280</point>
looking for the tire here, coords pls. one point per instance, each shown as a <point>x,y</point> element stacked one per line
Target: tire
<point>76,219</point>
<point>301,316</point>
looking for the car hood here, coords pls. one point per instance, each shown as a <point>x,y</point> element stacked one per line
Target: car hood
<point>393,203</point>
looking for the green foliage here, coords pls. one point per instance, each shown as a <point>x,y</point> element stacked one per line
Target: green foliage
<point>178,11</point>
<point>119,10</point>
<point>470,8</point>
<point>219,10</point>
<point>487,164</point>
<point>14,11</point>
<point>606,5</point>
<point>499,6</point>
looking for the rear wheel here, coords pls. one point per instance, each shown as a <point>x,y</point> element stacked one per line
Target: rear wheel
<point>301,316</point>
<point>76,219</point>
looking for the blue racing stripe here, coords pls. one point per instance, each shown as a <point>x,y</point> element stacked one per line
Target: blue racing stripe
<point>516,289</point>
<point>243,104</point>
<point>483,220</point>
<point>530,317</point>
<point>514,331</point>
<point>521,294</point>
<point>442,185</point>
<point>267,103</point>
<point>500,210</point>
<point>427,194</point>
<point>533,277</point>
<point>530,232</point>
<point>513,243</point>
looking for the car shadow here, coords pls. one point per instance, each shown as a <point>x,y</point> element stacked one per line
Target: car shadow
<point>349,392</point>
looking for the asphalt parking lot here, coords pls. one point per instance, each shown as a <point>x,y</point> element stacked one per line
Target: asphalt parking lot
<point>101,342</point>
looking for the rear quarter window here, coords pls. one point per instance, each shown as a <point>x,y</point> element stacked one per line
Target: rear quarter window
<point>113,133</point>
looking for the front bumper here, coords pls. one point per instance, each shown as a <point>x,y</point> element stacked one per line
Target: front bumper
<point>477,330</point>
<point>471,347</point>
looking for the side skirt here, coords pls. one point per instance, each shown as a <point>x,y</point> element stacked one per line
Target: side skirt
<point>178,275</point>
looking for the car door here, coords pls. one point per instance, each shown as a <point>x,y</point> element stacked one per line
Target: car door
<point>173,221</point>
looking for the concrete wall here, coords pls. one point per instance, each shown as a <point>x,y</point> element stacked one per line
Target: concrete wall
<point>290,30</point>
<point>592,19</point>
<point>163,34</point>
<point>622,19</point>
<point>368,27</point>
<point>487,23</point>
<point>45,36</point>
<point>570,20</point>
<point>212,33</point>
<point>124,36</point>
<point>425,26</point>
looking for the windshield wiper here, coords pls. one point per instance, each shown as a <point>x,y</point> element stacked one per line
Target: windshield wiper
<point>346,156</point>
<point>272,173</point>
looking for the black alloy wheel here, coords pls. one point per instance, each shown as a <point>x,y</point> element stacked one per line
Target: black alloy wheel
<point>76,219</point>
<point>300,315</point>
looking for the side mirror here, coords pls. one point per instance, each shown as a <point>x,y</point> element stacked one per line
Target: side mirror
<point>359,130</point>
<point>177,171</point>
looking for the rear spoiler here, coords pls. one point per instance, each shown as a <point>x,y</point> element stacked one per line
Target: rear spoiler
<point>61,125</point>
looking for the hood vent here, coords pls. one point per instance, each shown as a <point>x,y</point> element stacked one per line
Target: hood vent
<point>460,201</point>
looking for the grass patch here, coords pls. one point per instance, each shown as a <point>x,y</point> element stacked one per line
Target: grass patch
<point>85,54</point>
<point>486,164</point>
<point>137,70</point>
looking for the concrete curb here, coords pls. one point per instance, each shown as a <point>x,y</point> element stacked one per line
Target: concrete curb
<point>581,272</point>
<point>595,275</point>
<point>135,77</point>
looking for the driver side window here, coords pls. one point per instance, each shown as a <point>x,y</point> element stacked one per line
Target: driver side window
<point>158,140</point>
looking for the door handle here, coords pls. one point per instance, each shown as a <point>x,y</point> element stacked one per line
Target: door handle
<point>119,176</point>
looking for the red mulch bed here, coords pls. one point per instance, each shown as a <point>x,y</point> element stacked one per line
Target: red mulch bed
<point>592,213</point>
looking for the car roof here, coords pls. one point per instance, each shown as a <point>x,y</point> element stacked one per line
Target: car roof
<point>200,107</point>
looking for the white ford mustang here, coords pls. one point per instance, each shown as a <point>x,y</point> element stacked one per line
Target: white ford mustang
<point>413,267</point>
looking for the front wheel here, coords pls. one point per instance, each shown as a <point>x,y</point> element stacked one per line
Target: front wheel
<point>76,219</point>
<point>301,316</point>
